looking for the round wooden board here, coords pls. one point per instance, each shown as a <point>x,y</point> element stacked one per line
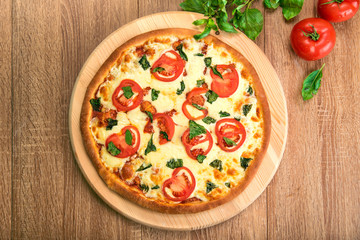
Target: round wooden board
<point>275,95</point>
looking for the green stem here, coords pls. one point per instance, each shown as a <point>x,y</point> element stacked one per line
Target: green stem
<point>313,35</point>
<point>333,1</point>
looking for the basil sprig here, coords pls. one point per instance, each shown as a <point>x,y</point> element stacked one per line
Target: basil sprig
<point>195,129</point>
<point>312,83</point>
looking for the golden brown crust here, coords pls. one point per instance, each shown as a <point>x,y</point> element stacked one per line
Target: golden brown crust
<point>135,195</point>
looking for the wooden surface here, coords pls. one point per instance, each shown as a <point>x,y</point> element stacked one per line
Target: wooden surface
<point>43,44</point>
<point>269,165</point>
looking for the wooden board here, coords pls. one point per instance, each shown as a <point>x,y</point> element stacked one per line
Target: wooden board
<point>270,163</point>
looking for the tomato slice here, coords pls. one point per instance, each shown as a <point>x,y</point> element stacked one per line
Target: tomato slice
<point>165,124</point>
<point>194,96</point>
<point>227,86</point>
<point>181,185</point>
<point>193,152</point>
<point>173,65</point>
<point>231,129</point>
<point>118,140</point>
<point>121,102</point>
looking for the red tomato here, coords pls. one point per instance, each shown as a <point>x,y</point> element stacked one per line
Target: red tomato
<point>313,38</point>
<point>226,86</point>
<point>337,10</point>
<point>194,96</point>
<point>118,140</point>
<point>231,129</point>
<point>121,102</point>
<point>173,65</point>
<point>182,184</point>
<point>190,144</point>
<point>166,124</point>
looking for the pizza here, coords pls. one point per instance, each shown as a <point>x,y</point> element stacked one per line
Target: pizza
<point>174,124</point>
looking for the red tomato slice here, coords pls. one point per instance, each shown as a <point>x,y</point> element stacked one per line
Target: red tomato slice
<point>190,144</point>
<point>121,102</point>
<point>194,96</point>
<point>118,140</point>
<point>173,65</point>
<point>227,86</point>
<point>231,129</point>
<point>181,184</point>
<point>165,124</point>
<point>337,10</point>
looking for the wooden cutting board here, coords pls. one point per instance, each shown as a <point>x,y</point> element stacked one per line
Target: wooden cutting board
<point>274,92</point>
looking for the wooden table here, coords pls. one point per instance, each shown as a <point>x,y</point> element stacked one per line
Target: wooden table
<point>43,44</point>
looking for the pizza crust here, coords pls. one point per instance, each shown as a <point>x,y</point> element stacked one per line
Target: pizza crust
<point>137,196</point>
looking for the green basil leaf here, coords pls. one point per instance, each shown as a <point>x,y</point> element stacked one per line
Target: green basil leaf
<point>224,114</point>
<point>222,22</point>
<point>143,167</point>
<point>200,82</point>
<point>182,88</point>
<point>216,72</point>
<point>165,136</point>
<point>250,22</point>
<point>112,149</point>
<point>207,61</point>
<point>246,109</point>
<point>154,94</point>
<point>211,96</point>
<point>199,54</point>
<point>228,184</point>
<point>128,93</point>
<point>210,186</point>
<point>217,164</point>
<point>229,142</point>
<point>150,146</point>
<point>144,187</point>
<point>291,8</point>
<point>195,129</point>
<point>111,123</point>
<point>206,32</point>
<point>237,118</point>
<point>158,69</point>
<point>198,107</point>
<point>150,115</point>
<point>208,120</point>
<point>272,4</point>
<point>245,162</point>
<point>155,187</point>
<point>193,6</point>
<point>174,163</point>
<point>128,137</point>
<point>250,90</point>
<point>181,52</point>
<point>212,24</point>
<point>199,22</point>
<point>144,62</point>
<point>95,103</point>
<point>312,84</point>
<point>201,158</point>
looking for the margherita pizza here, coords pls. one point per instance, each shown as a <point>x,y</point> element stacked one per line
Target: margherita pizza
<point>174,124</point>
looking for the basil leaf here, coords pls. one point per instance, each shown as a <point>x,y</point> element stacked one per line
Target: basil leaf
<point>216,72</point>
<point>155,187</point>
<point>211,96</point>
<point>250,22</point>
<point>200,82</point>
<point>112,149</point>
<point>208,120</point>
<point>237,118</point>
<point>158,69</point>
<point>250,90</point>
<point>228,184</point>
<point>128,93</point>
<point>207,61</point>
<point>210,186</point>
<point>222,22</point>
<point>193,6</point>
<point>154,94</point>
<point>111,123</point>
<point>144,62</point>
<point>195,129</point>
<point>144,187</point>
<point>174,163</point>
<point>206,32</point>
<point>95,103</point>
<point>312,83</point>
<point>143,167</point>
<point>128,137</point>
<point>245,162</point>
<point>212,24</point>
<point>199,54</point>
<point>224,114</point>
<point>198,107</point>
<point>181,52</point>
<point>150,146</point>
<point>201,158</point>
<point>272,4</point>
<point>246,109</point>
<point>217,164</point>
<point>165,136</point>
<point>182,88</point>
<point>291,8</point>
<point>229,142</point>
<point>150,115</point>
<point>199,22</point>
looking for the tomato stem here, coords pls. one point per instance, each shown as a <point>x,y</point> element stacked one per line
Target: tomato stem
<point>333,1</point>
<point>313,35</point>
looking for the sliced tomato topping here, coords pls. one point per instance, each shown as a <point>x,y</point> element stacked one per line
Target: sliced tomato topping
<point>190,145</point>
<point>227,85</point>
<point>118,139</point>
<point>232,130</point>
<point>194,98</point>
<point>126,104</point>
<point>172,64</point>
<point>165,124</point>
<point>180,186</point>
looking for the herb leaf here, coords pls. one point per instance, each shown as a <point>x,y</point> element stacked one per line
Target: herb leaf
<point>182,53</point>
<point>291,8</point>
<point>155,187</point>
<point>211,96</point>
<point>224,114</point>
<point>208,120</point>
<point>200,82</point>
<point>228,184</point>
<point>144,187</point>
<point>272,4</point>
<point>144,62</point>
<point>201,158</point>
<point>95,103</point>
<point>250,90</point>
<point>245,162</point>
<point>199,22</point>
<point>193,6</point>
<point>150,146</point>
<point>111,123</point>
<point>143,167</point>
<point>217,164</point>
<point>174,163</point>
<point>182,88</point>
<point>229,141</point>
<point>222,22</point>
<point>199,54</point>
<point>149,115</point>
<point>158,69</point>
<point>312,83</point>
<point>216,72</point>
<point>112,149</point>
<point>128,137</point>
<point>203,34</point>
<point>207,61</point>
<point>195,129</point>
<point>128,93</point>
<point>246,109</point>
<point>164,135</point>
<point>250,22</point>
<point>154,94</point>
<point>198,107</point>
<point>210,186</point>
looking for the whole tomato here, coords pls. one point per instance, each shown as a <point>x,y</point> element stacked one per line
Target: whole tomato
<point>337,10</point>
<point>313,38</point>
